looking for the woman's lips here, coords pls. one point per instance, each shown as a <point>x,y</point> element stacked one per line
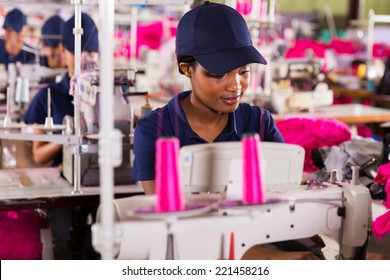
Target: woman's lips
<point>231,100</point>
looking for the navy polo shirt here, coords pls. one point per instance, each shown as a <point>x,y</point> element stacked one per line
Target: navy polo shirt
<point>43,60</point>
<point>23,56</point>
<point>61,105</point>
<point>170,121</point>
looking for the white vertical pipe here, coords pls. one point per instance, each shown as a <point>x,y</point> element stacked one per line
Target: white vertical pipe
<point>48,103</point>
<point>362,8</point>
<point>272,8</point>
<point>106,11</point>
<point>255,11</point>
<point>231,3</point>
<point>370,36</point>
<point>330,20</point>
<point>77,63</point>
<point>133,36</point>
<point>77,31</point>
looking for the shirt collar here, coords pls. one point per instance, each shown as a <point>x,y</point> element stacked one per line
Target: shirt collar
<point>65,83</point>
<point>180,124</point>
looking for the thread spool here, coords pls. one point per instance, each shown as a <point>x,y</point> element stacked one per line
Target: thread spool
<point>355,175</point>
<point>49,120</point>
<point>334,176</point>
<point>253,189</point>
<point>146,108</point>
<point>7,119</point>
<point>168,180</point>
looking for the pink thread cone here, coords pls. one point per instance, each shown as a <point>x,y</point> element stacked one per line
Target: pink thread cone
<point>253,189</point>
<point>168,182</point>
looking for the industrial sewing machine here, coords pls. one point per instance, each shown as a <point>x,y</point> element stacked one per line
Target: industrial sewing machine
<point>24,80</point>
<point>88,100</point>
<point>298,85</point>
<point>217,223</point>
<point>286,100</point>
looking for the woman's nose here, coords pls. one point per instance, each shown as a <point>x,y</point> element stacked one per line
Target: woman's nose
<point>13,38</point>
<point>234,83</point>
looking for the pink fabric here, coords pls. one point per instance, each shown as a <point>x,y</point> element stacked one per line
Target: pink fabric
<point>383,174</point>
<point>380,50</point>
<point>20,235</point>
<point>381,225</point>
<point>148,35</point>
<point>312,134</point>
<point>343,46</point>
<point>301,45</point>
<point>244,7</point>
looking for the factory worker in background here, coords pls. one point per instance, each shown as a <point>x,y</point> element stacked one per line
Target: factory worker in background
<point>53,49</point>
<point>11,46</point>
<point>62,105</point>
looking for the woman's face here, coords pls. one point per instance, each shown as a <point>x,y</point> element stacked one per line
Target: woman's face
<point>13,41</point>
<point>55,56</point>
<point>218,93</point>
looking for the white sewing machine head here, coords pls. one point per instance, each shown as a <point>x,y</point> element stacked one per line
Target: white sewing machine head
<point>217,167</point>
<point>124,85</point>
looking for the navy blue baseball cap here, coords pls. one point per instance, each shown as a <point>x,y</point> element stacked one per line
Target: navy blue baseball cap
<point>52,31</point>
<point>89,38</point>
<point>15,20</point>
<point>218,37</point>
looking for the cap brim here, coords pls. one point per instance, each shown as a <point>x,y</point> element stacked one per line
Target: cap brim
<point>225,61</point>
<point>16,28</point>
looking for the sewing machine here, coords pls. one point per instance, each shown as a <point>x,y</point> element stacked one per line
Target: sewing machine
<point>124,86</point>
<point>217,223</point>
<point>298,85</point>
<point>25,80</point>
<point>286,100</point>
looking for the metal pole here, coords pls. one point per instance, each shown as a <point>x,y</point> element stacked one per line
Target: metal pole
<point>106,11</point>
<point>77,31</point>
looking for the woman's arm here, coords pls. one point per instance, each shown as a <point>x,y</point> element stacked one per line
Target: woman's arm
<point>45,151</point>
<point>148,186</point>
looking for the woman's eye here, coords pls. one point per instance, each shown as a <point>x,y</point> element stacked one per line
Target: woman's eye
<point>243,72</point>
<point>216,76</point>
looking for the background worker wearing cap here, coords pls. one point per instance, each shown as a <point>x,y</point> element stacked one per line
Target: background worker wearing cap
<point>53,49</point>
<point>14,33</point>
<point>214,50</point>
<point>62,105</point>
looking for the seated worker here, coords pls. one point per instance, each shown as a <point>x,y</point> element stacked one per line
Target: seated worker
<point>214,51</point>
<point>62,105</point>
<point>53,49</point>
<point>11,47</point>
<point>61,101</point>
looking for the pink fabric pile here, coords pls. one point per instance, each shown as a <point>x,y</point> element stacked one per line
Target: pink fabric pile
<point>313,134</point>
<point>20,235</point>
<point>381,225</point>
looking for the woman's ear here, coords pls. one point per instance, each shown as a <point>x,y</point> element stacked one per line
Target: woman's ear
<point>185,69</point>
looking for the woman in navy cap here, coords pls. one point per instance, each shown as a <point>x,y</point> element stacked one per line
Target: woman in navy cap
<point>11,47</point>
<point>54,51</point>
<point>214,50</point>
<point>61,101</point>
<point>61,105</point>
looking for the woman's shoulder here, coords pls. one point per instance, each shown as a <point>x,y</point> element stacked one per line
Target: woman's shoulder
<point>41,94</point>
<point>250,110</point>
